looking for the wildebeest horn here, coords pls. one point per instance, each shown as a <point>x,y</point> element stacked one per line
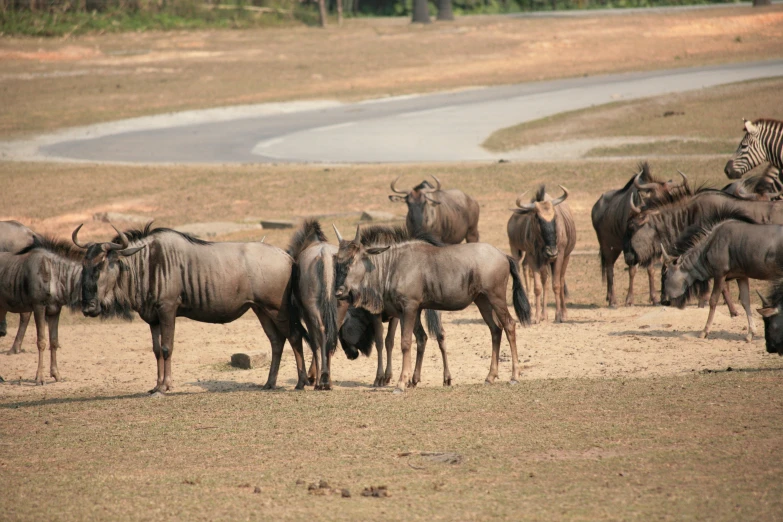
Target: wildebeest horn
<point>395,189</point>
<point>339,237</point>
<point>643,186</point>
<point>75,241</point>
<point>262,239</point>
<point>519,199</point>
<point>432,200</point>
<point>764,302</point>
<point>123,238</point>
<point>436,181</point>
<point>561,198</point>
<point>634,208</point>
<point>358,238</point>
<point>684,178</point>
<point>740,193</point>
<point>666,257</point>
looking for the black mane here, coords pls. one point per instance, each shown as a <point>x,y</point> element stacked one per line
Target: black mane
<point>691,235</point>
<point>310,232</point>
<point>135,234</point>
<point>393,234</point>
<point>541,193</point>
<point>57,246</point>
<point>423,185</point>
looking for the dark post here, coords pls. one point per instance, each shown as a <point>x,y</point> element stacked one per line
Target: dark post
<point>445,12</point>
<point>421,12</point>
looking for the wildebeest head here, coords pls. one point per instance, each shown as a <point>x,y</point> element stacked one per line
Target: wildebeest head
<point>657,189</point>
<point>675,278</point>
<point>773,321</point>
<point>749,153</point>
<point>641,240</point>
<point>545,218</point>
<point>101,269</point>
<point>420,201</point>
<point>352,262</point>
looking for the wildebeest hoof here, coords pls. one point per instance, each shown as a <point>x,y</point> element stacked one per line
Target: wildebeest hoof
<point>513,382</point>
<point>749,338</point>
<point>379,383</point>
<point>268,386</point>
<point>398,391</point>
<point>447,382</point>
<point>157,395</point>
<point>735,313</point>
<point>703,335</point>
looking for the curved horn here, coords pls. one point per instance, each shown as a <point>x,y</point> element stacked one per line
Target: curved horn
<point>123,238</point>
<point>666,257</point>
<point>76,241</point>
<point>643,186</point>
<point>764,302</point>
<point>394,189</point>
<point>634,209</point>
<point>561,198</point>
<point>339,237</point>
<point>432,200</point>
<point>684,180</point>
<point>740,193</point>
<point>358,238</point>
<point>519,199</point>
<point>527,207</point>
<point>436,181</point>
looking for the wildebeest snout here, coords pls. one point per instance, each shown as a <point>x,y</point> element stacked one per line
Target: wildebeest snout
<point>341,293</point>
<point>630,258</point>
<point>550,251</point>
<point>91,308</point>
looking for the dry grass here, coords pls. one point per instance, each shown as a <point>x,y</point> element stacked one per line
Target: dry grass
<point>711,119</point>
<point>49,84</point>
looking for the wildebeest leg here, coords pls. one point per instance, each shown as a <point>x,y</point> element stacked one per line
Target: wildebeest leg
<point>312,373</point>
<point>654,299</point>
<point>295,340</point>
<point>703,297</point>
<point>564,311</point>
<point>3,323</point>
<point>421,344</point>
<point>537,290</point>
<point>499,306</point>
<point>557,288</point>
<point>733,312</point>
<point>155,331</point>
<point>744,288</point>
<point>167,324</point>
<point>39,313</point>
<point>391,331</point>
<point>24,320</point>
<point>609,264</point>
<point>377,324</point>
<point>408,321</point>
<point>631,276</point>
<point>544,275</point>
<point>53,320</point>
<point>717,288</point>
<point>277,341</point>
<point>441,338</point>
<point>484,306</point>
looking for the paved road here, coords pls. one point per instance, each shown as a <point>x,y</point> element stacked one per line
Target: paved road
<point>436,127</point>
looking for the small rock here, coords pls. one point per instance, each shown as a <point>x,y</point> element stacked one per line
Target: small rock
<point>299,482</point>
<point>345,493</point>
<point>250,360</point>
<point>245,485</point>
<point>256,490</point>
<point>376,491</point>
<point>322,484</point>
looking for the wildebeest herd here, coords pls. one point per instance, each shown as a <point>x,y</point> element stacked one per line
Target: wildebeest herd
<point>325,294</point>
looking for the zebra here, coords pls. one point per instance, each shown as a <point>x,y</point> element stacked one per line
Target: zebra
<point>763,141</point>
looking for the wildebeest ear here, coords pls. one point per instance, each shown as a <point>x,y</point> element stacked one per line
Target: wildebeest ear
<point>397,199</point>
<point>376,250</point>
<point>130,251</point>
<point>768,312</point>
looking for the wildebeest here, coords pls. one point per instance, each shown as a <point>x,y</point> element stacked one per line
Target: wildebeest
<point>544,231</point>
<point>730,249</point>
<point>362,327</point>
<point>14,236</point>
<point>610,219</point>
<point>403,279</point>
<point>163,274</point>
<point>759,187</point>
<point>41,278</point>
<point>449,216</point>
<point>763,141</point>
<point>314,258</point>
<point>771,310</point>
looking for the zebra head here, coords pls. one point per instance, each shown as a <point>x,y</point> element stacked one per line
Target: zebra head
<point>751,152</point>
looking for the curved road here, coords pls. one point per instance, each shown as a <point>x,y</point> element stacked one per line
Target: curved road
<point>435,127</point>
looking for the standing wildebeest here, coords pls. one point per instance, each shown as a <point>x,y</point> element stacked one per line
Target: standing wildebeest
<point>763,141</point>
<point>449,216</point>
<point>314,258</point>
<point>610,220</point>
<point>41,278</point>
<point>403,279</point>
<point>14,236</point>
<point>544,231</point>
<point>362,327</point>
<point>163,274</point>
<point>773,318</point>
<point>730,249</point>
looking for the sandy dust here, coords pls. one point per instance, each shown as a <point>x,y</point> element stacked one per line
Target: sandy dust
<point>643,341</point>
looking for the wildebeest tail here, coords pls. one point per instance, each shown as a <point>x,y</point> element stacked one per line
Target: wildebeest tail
<point>604,268</point>
<point>327,304</point>
<point>357,333</point>
<point>434,326</point>
<point>521,304</point>
<point>295,308</point>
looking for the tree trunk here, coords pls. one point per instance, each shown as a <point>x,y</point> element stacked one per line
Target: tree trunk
<point>421,12</point>
<point>759,3</point>
<point>339,12</point>
<point>32,5</point>
<point>322,12</point>
<point>444,10</point>
<point>355,7</point>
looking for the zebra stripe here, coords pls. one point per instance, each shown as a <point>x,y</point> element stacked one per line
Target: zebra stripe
<point>763,141</point>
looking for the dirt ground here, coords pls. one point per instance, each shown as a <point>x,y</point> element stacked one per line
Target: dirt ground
<point>114,76</point>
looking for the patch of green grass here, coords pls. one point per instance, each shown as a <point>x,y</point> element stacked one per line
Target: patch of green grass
<point>666,147</point>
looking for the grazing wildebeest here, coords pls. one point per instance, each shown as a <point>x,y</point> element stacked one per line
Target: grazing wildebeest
<point>763,141</point>
<point>314,258</point>
<point>41,278</point>
<point>361,327</point>
<point>163,274</point>
<point>759,187</point>
<point>773,318</point>
<point>544,231</point>
<point>14,236</point>
<point>610,220</point>
<point>449,216</point>
<point>403,279</point>
<point>730,249</point>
